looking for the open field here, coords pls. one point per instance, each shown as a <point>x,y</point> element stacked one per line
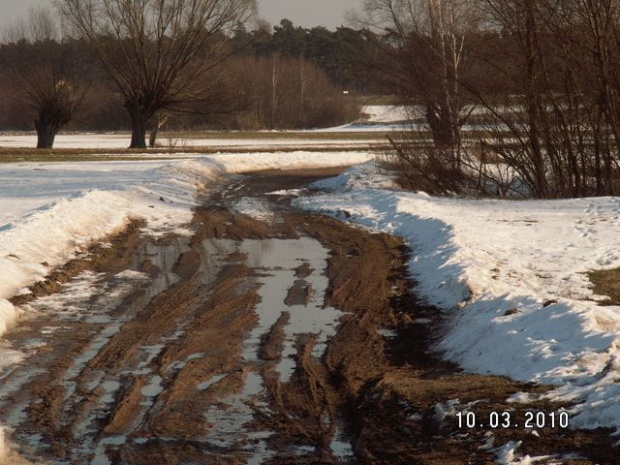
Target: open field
<point>112,147</point>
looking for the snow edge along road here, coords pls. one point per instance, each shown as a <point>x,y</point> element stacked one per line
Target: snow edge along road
<point>510,279</point>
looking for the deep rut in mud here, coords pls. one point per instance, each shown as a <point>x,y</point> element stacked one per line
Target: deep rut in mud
<point>267,336</point>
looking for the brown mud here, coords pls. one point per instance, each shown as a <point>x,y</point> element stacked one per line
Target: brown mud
<point>192,357</point>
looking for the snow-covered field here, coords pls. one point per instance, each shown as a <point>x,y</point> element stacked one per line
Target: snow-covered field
<point>376,118</point>
<point>511,278</point>
<point>385,113</point>
<point>121,140</point>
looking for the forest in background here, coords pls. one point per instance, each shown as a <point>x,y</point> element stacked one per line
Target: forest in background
<point>285,77</point>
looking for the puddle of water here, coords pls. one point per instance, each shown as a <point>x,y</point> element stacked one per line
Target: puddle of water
<point>387,333</point>
<point>261,452</point>
<point>276,262</point>
<point>207,384</point>
<point>90,298</point>
<point>83,359</point>
<point>178,365</point>
<point>109,387</point>
<point>254,208</point>
<point>98,319</point>
<point>341,447</point>
<point>228,430</point>
<point>278,259</point>
<point>229,422</point>
<point>153,389</point>
<point>214,255</point>
<point>304,450</point>
<point>164,258</point>
<point>147,354</point>
<point>16,412</point>
<point>100,457</point>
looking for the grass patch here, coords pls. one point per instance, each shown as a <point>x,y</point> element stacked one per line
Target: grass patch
<point>22,155</point>
<point>178,136</point>
<point>607,283</point>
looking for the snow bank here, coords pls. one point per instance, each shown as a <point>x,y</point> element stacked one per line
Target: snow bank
<point>8,315</point>
<point>510,277</point>
<point>243,163</point>
<point>508,455</point>
<point>50,211</point>
<point>366,175</point>
<point>37,241</point>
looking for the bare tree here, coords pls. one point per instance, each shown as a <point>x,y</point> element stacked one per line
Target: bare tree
<point>566,133</point>
<point>430,41</point>
<point>156,50</point>
<point>523,21</point>
<point>599,24</point>
<point>43,72</point>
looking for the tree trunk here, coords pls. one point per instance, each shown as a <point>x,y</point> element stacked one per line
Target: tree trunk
<point>153,136</point>
<point>138,134</point>
<point>46,133</point>
<point>158,122</point>
<point>443,128</point>
<point>532,100</point>
<point>138,126</point>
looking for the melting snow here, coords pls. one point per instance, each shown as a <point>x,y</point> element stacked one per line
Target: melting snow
<point>477,259</point>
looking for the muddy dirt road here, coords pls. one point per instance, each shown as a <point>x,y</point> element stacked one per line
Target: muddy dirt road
<point>267,336</point>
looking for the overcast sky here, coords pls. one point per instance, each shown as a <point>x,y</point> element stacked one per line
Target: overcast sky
<point>306,13</point>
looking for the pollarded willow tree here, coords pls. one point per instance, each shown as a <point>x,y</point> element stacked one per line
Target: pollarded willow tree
<point>44,73</point>
<point>156,51</point>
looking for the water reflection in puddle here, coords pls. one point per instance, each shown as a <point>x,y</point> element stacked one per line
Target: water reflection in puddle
<point>276,263</point>
<point>92,299</point>
<point>278,260</point>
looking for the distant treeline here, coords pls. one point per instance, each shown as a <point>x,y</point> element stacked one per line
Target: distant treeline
<point>280,77</point>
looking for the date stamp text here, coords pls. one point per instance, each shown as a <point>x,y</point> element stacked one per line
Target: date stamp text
<point>528,419</point>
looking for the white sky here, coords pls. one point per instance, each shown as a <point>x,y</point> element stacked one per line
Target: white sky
<point>306,13</point>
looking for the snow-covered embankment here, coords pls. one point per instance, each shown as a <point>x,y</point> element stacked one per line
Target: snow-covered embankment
<point>510,277</point>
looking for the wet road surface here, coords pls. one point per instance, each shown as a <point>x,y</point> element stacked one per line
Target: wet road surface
<point>266,336</point>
